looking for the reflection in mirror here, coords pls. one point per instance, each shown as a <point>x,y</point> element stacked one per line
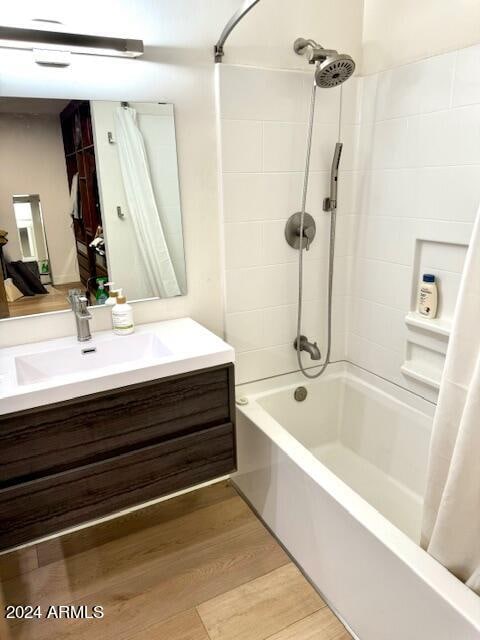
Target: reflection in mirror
<point>89,199</point>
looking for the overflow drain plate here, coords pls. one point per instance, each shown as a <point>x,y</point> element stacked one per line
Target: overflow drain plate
<point>300,394</point>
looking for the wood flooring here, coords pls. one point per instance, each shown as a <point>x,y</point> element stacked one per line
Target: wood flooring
<point>56,300</point>
<point>197,567</point>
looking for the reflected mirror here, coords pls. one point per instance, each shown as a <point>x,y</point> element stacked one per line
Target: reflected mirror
<point>90,200</point>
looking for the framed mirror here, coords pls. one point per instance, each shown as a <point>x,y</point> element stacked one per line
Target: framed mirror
<point>90,200</point>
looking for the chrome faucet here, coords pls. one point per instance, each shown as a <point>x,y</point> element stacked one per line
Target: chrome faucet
<point>309,347</point>
<point>79,304</point>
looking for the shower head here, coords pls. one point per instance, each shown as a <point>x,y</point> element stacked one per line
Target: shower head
<point>333,68</point>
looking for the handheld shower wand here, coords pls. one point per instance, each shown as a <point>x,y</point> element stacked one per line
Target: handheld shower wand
<point>330,203</point>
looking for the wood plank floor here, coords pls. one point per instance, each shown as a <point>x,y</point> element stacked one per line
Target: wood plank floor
<point>56,300</point>
<point>198,567</point>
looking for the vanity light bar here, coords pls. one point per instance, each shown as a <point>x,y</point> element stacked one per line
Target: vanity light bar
<point>19,38</point>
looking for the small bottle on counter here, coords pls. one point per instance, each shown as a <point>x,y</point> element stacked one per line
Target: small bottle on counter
<point>122,316</point>
<point>427,296</point>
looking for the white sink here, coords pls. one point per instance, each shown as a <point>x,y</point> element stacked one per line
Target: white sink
<point>87,356</point>
<point>41,373</point>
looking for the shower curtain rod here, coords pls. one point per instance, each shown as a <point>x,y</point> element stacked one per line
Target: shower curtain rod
<point>230,26</point>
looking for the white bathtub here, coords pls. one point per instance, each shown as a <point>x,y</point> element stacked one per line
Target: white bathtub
<point>339,479</point>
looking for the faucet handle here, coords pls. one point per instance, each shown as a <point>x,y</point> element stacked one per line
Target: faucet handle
<point>82,308</point>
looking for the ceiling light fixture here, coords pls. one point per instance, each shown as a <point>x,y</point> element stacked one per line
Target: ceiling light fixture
<point>35,39</point>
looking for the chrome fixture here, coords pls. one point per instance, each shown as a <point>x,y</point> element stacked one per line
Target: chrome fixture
<point>20,38</point>
<point>330,203</point>
<point>292,230</point>
<point>79,304</point>
<point>300,394</point>
<point>333,68</point>
<point>302,344</point>
<point>230,26</point>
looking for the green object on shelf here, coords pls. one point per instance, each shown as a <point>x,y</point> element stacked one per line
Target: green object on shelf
<point>101,296</point>
<point>44,267</point>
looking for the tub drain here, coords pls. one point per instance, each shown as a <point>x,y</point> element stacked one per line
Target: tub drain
<point>300,394</point>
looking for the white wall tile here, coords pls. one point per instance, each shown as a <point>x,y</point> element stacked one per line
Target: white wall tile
<point>244,289</point>
<point>390,144</point>
<point>416,88</point>
<point>389,192</point>
<point>245,330</point>
<point>248,93</point>
<point>351,101</point>
<point>285,146</point>
<point>349,136</point>
<point>241,145</point>
<point>433,139</point>
<point>448,193</point>
<point>383,282</point>
<point>243,244</point>
<point>270,196</point>
<point>467,78</point>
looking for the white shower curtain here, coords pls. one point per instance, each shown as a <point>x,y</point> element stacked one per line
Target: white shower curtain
<point>451,518</point>
<point>159,269</point>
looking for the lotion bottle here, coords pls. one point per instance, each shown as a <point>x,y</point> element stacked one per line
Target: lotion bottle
<point>122,317</point>
<point>427,296</point>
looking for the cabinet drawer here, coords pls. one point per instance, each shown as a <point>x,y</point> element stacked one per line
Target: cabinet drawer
<point>61,436</point>
<point>37,508</point>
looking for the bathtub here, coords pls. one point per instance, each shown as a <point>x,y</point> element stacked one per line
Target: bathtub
<point>339,479</point>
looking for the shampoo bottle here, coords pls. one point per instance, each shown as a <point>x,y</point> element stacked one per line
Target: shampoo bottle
<point>122,317</point>
<point>427,296</point>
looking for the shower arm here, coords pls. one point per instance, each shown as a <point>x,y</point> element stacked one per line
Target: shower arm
<point>230,26</point>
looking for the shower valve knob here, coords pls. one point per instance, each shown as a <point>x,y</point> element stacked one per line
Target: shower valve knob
<point>292,231</point>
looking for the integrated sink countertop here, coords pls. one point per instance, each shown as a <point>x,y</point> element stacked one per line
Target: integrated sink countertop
<point>41,373</point>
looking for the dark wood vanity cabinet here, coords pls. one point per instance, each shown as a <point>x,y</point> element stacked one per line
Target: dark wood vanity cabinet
<point>75,461</point>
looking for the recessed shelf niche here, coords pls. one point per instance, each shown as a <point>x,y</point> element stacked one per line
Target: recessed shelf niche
<point>427,339</point>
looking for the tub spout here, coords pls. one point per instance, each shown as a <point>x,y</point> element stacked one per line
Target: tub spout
<point>310,347</point>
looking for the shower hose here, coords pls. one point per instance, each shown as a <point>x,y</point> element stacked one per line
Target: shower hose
<point>333,220</point>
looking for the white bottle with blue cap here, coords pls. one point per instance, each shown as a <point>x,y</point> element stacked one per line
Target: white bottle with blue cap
<point>428,296</point>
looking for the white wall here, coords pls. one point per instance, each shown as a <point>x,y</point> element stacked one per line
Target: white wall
<point>400,31</point>
<point>263,131</point>
<point>418,192</point>
<point>33,162</point>
<point>266,35</point>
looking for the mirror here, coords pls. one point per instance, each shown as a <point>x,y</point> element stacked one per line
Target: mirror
<point>89,199</point>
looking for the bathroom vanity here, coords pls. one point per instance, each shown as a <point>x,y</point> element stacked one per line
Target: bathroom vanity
<point>88,430</point>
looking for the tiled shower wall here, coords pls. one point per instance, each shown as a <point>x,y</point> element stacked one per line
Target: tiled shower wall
<point>263,116</point>
<point>408,195</point>
<point>418,191</point>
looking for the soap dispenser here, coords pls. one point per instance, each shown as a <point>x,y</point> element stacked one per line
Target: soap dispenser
<point>112,294</point>
<point>122,316</point>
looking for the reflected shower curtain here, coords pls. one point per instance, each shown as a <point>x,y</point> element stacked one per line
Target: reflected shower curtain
<point>451,517</point>
<point>159,269</point>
